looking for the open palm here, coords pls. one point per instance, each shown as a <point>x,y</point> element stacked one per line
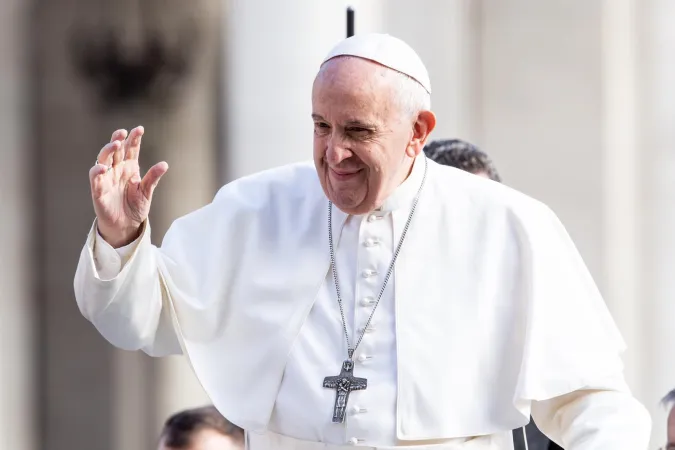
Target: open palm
<point>121,197</point>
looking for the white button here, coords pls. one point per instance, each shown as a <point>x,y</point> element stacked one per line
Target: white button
<point>353,441</point>
<point>372,218</point>
<point>370,242</point>
<point>358,410</point>
<point>363,357</point>
<point>370,329</point>
<point>367,301</point>
<point>369,273</point>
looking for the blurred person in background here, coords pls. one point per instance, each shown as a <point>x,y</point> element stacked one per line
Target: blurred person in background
<point>669,402</point>
<point>272,288</point>
<point>462,155</point>
<point>200,429</point>
<point>466,156</point>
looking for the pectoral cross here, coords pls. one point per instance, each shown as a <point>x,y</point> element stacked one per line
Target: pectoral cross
<point>343,385</point>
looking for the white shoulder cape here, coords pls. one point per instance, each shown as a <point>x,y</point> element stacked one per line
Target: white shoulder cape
<point>494,305</point>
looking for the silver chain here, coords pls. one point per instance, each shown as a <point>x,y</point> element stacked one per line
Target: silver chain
<point>350,350</point>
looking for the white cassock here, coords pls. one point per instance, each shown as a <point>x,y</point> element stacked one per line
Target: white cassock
<point>490,316</point>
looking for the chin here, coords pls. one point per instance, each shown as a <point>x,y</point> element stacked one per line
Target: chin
<point>352,200</point>
<point>353,207</point>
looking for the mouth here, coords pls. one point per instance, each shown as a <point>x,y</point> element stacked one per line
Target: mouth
<point>343,175</point>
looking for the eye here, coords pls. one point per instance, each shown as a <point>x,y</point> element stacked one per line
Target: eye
<point>358,132</point>
<point>321,128</point>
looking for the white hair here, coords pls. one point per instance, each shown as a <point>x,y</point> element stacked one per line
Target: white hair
<point>413,98</point>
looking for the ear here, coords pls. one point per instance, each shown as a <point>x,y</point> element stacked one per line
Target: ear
<point>422,128</point>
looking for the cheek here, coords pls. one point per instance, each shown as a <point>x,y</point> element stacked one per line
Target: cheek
<point>319,146</point>
<point>376,160</point>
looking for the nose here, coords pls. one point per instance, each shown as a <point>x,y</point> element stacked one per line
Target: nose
<point>336,151</point>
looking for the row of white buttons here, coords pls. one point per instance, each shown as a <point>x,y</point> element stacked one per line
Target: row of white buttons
<point>366,301</point>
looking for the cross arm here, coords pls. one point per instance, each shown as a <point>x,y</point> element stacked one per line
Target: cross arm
<point>330,382</point>
<point>359,384</point>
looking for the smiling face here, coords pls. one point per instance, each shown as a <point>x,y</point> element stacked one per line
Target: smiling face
<point>365,139</point>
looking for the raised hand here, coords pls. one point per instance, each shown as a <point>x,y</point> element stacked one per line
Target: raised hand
<point>121,197</point>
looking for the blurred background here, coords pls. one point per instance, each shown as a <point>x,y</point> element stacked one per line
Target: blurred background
<point>574,99</point>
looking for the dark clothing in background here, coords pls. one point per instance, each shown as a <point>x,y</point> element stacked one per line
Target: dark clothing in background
<point>536,440</point>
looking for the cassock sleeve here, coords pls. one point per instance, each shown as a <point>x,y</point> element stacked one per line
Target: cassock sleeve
<point>571,368</point>
<point>164,295</point>
<point>604,416</point>
<point>108,260</point>
<point>126,301</point>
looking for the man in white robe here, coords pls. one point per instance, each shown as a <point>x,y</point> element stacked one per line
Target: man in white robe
<point>487,316</point>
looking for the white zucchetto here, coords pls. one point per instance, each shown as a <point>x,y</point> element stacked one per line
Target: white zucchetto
<point>386,50</point>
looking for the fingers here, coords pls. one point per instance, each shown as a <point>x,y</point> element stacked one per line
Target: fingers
<point>96,170</point>
<point>150,180</point>
<point>123,145</point>
<point>133,143</point>
<point>119,135</point>
<point>95,180</point>
<point>105,156</point>
<point>118,153</point>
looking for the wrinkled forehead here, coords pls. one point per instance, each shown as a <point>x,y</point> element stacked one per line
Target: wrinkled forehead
<point>353,70</point>
<point>348,84</point>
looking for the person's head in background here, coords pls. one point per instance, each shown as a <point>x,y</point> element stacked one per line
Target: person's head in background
<point>462,155</point>
<point>669,402</point>
<point>200,429</point>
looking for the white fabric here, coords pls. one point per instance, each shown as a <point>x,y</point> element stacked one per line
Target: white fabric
<point>494,310</point>
<point>385,50</point>
<point>275,441</point>
<point>303,407</point>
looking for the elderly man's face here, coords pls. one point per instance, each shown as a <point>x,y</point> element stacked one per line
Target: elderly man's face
<point>364,143</point>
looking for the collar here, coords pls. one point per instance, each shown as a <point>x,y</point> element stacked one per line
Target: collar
<point>404,195</point>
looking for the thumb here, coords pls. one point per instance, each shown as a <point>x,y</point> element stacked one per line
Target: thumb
<point>152,177</point>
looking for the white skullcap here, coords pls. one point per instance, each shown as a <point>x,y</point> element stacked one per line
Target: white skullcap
<point>386,50</point>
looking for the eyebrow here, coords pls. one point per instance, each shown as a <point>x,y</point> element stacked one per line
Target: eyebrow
<point>360,124</point>
<point>349,123</point>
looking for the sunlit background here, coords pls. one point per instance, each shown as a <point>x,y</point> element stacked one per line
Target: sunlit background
<point>574,99</point>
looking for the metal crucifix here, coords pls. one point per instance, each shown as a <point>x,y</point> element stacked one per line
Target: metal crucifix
<point>344,384</point>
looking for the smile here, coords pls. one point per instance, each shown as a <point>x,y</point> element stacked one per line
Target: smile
<point>343,175</point>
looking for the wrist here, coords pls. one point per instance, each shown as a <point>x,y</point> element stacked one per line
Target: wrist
<point>119,238</point>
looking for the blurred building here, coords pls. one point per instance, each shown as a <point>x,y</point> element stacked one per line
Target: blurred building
<point>574,99</point>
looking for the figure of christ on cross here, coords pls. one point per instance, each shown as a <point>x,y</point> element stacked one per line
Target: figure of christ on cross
<point>344,384</point>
